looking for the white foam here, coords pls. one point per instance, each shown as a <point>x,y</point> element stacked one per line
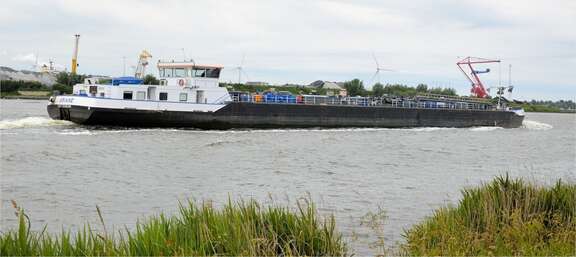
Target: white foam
<point>430,129</point>
<point>535,125</point>
<point>31,122</point>
<point>76,133</point>
<point>480,129</point>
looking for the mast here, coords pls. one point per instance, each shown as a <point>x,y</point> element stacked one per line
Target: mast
<point>75,54</point>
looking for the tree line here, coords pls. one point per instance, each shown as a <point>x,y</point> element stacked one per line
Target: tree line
<point>64,84</point>
<point>355,87</point>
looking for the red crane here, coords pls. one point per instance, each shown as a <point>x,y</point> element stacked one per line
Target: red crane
<point>478,88</point>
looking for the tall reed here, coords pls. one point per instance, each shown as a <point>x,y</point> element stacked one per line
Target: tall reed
<point>243,228</point>
<point>504,217</point>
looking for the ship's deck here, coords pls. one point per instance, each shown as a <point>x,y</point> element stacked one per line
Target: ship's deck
<point>420,101</point>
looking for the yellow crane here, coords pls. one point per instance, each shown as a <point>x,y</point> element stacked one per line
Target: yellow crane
<point>142,63</point>
<point>75,54</point>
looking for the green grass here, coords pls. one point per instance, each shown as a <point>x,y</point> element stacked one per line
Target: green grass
<point>238,229</point>
<point>504,217</point>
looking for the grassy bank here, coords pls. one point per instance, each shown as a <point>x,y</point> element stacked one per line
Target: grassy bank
<point>504,217</point>
<point>26,94</point>
<point>237,229</point>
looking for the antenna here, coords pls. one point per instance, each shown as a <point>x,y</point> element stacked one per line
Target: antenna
<point>510,87</point>
<point>509,74</point>
<point>500,74</point>
<point>124,65</point>
<point>184,53</point>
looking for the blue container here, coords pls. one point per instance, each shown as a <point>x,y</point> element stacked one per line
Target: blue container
<point>126,81</point>
<point>269,98</point>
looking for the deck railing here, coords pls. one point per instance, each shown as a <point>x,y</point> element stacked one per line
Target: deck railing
<point>424,102</point>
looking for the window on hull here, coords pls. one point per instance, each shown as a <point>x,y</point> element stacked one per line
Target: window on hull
<point>183,97</point>
<point>163,96</point>
<point>141,95</point>
<point>127,95</point>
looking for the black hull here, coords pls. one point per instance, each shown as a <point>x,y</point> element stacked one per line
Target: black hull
<point>254,115</point>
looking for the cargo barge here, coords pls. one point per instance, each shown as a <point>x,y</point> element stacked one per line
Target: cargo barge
<point>189,95</point>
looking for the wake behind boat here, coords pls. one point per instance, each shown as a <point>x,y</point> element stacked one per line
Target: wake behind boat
<point>189,95</point>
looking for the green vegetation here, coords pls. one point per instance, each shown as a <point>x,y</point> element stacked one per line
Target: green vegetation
<point>11,87</point>
<point>354,87</point>
<point>505,217</point>
<point>238,229</point>
<point>65,81</point>
<point>539,108</point>
<point>547,106</point>
<point>150,80</point>
<point>403,90</point>
<point>293,89</point>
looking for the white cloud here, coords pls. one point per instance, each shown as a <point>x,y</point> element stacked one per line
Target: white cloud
<point>28,58</point>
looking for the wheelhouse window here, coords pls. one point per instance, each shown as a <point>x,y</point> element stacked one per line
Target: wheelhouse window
<point>167,72</point>
<point>200,73</point>
<point>93,90</point>
<point>141,95</point>
<point>180,72</point>
<point>213,73</point>
<point>127,95</point>
<point>163,96</point>
<point>183,97</point>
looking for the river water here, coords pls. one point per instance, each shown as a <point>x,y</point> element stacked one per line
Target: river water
<point>60,171</point>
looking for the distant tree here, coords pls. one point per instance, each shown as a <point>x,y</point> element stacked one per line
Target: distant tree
<point>150,80</point>
<point>449,91</point>
<point>378,89</point>
<point>16,85</point>
<point>62,88</point>
<point>422,88</point>
<point>66,78</point>
<point>9,86</point>
<point>399,90</point>
<point>355,87</point>
<point>442,91</point>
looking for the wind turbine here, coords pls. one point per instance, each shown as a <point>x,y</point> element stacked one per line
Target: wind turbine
<point>240,69</point>
<point>378,69</point>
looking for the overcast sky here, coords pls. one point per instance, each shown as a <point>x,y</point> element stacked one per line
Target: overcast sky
<point>303,41</point>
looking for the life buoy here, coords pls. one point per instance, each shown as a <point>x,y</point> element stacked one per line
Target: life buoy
<point>181,82</point>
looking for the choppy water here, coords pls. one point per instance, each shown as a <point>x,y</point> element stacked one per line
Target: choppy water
<point>60,171</point>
